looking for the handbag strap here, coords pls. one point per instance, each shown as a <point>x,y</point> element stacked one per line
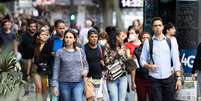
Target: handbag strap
<point>82,67</point>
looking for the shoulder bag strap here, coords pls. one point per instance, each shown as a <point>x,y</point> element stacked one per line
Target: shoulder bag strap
<point>82,67</point>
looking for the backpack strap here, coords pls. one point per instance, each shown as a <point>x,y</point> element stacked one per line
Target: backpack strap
<point>83,47</point>
<point>168,40</point>
<point>101,51</point>
<point>137,55</point>
<point>151,49</point>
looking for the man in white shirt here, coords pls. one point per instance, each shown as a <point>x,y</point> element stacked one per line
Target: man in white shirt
<point>159,64</point>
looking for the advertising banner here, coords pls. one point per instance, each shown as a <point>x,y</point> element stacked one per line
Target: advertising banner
<point>187,59</point>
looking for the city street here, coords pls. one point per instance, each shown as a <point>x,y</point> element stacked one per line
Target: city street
<point>124,48</point>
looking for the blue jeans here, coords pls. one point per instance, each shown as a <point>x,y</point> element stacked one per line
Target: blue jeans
<point>118,89</point>
<point>71,91</point>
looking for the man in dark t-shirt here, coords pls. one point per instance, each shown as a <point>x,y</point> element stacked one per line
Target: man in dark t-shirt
<point>7,36</point>
<point>26,48</point>
<point>94,58</point>
<point>26,45</point>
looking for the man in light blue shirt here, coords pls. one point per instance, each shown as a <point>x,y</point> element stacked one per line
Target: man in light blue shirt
<point>160,69</point>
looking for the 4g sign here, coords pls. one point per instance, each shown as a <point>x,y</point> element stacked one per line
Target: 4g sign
<point>187,59</point>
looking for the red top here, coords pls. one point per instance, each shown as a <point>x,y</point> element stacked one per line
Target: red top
<point>131,47</point>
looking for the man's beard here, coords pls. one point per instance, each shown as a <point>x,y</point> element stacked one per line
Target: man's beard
<point>32,33</point>
<point>60,34</point>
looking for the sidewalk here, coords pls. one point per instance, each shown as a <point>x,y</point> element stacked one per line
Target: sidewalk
<point>30,95</point>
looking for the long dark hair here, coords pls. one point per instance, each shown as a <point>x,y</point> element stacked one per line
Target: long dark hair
<point>129,28</point>
<point>75,34</point>
<point>113,32</point>
<point>37,51</point>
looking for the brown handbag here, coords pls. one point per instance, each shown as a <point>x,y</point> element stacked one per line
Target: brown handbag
<point>88,85</point>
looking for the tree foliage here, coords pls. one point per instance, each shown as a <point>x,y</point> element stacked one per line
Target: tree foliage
<point>2,8</point>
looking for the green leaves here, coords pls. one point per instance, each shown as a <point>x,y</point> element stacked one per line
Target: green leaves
<point>10,76</point>
<point>7,61</point>
<point>10,82</point>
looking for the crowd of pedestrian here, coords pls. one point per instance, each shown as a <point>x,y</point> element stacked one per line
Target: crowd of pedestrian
<point>121,65</point>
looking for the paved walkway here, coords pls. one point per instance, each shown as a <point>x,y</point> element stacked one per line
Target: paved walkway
<point>31,95</point>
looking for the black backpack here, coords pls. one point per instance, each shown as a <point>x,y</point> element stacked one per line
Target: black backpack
<point>141,71</point>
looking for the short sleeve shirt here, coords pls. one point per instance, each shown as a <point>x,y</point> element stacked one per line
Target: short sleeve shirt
<point>27,46</point>
<point>131,47</point>
<point>6,38</point>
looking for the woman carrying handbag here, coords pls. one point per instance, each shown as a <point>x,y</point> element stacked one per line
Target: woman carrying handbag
<point>67,71</point>
<point>116,58</point>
